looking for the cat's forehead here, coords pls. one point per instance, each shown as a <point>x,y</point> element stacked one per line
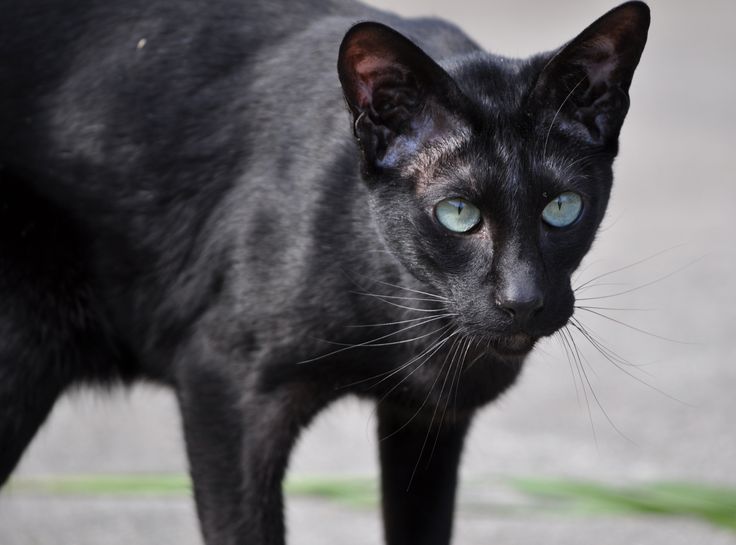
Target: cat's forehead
<point>489,167</point>
<point>500,148</point>
<point>496,157</point>
<point>497,85</point>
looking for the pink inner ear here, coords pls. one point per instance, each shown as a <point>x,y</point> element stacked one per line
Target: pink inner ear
<point>367,70</point>
<point>366,67</point>
<point>367,60</point>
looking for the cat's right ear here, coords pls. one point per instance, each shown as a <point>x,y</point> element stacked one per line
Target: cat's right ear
<point>400,98</point>
<point>585,85</point>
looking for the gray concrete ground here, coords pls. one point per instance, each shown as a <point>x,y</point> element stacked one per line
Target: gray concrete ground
<point>675,189</point>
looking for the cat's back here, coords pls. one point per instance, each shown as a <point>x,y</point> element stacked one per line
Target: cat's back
<point>64,63</point>
<point>143,98</point>
<point>134,89</point>
<point>92,65</point>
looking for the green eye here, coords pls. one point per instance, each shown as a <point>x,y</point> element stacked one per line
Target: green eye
<point>563,210</point>
<point>457,215</point>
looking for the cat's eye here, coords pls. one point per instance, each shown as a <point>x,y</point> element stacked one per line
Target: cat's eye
<point>563,210</point>
<point>457,215</point>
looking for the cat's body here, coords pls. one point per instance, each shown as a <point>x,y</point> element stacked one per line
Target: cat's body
<point>181,201</point>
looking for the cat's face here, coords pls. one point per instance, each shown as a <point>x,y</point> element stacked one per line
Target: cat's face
<point>489,180</point>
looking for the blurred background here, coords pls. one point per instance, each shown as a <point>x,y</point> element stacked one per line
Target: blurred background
<point>601,450</point>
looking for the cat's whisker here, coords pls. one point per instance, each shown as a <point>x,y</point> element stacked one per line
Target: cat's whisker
<point>373,281</point>
<point>572,355</point>
<point>577,325</point>
<point>372,342</point>
<point>482,354</point>
<point>642,286</point>
<point>437,348</point>
<point>580,356</point>
<point>429,392</point>
<point>580,272</point>
<point>600,284</point>
<point>458,367</point>
<point>452,370</point>
<point>405,307</point>
<point>622,309</point>
<point>424,320</point>
<point>424,356</point>
<point>583,360</point>
<point>434,413</point>
<point>629,266</point>
<point>384,324</point>
<point>634,328</point>
<point>431,423</point>
<point>601,346</point>
<point>560,340</point>
<point>400,297</point>
<point>455,383</point>
<point>567,338</point>
<point>402,341</point>
<point>397,286</point>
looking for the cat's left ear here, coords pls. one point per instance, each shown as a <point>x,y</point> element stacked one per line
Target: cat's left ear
<point>400,98</point>
<point>585,85</point>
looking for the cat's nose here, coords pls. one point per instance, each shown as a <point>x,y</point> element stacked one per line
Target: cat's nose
<point>521,306</point>
<point>520,283</point>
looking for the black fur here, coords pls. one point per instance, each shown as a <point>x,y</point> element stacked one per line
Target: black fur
<point>185,199</point>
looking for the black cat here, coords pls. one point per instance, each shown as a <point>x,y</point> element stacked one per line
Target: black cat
<point>183,199</point>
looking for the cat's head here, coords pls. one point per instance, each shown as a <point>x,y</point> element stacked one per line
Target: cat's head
<point>489,177</point>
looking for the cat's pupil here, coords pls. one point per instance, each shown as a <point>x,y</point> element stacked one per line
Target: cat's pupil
<point>563,210</point>
<point>457,215</point>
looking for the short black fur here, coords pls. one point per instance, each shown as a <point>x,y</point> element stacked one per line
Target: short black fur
<point>185,197</point>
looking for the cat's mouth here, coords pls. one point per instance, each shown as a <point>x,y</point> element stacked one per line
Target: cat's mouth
<point>518,344</point>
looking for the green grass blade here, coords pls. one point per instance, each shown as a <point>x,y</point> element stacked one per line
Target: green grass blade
<point>713,504</point>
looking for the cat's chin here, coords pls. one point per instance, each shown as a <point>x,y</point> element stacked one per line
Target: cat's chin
<point>516,345</point>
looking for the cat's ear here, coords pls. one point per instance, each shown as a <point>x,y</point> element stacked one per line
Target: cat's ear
<point>399,97</point>
<point>585,84</point>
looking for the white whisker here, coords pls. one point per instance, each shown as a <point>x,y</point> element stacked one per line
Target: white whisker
<point>634,328</point>
<point>612,357</point>
<point>411,290</point>
<point>429,429</point>
<point>429,392</point>
<point>405,307</point>
<point>629,266</point>
<point>446,315</point>
<point>400,297</point>
<point>429,352</point>
<point>642,286</point>
<point>372,342</point>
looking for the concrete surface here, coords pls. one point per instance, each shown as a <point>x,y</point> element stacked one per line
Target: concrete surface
<point>172,522</point>
<point>675,189</point>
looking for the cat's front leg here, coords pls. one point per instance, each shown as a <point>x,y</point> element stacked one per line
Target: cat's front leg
<point>239,437</point>
<point>419,464</point>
